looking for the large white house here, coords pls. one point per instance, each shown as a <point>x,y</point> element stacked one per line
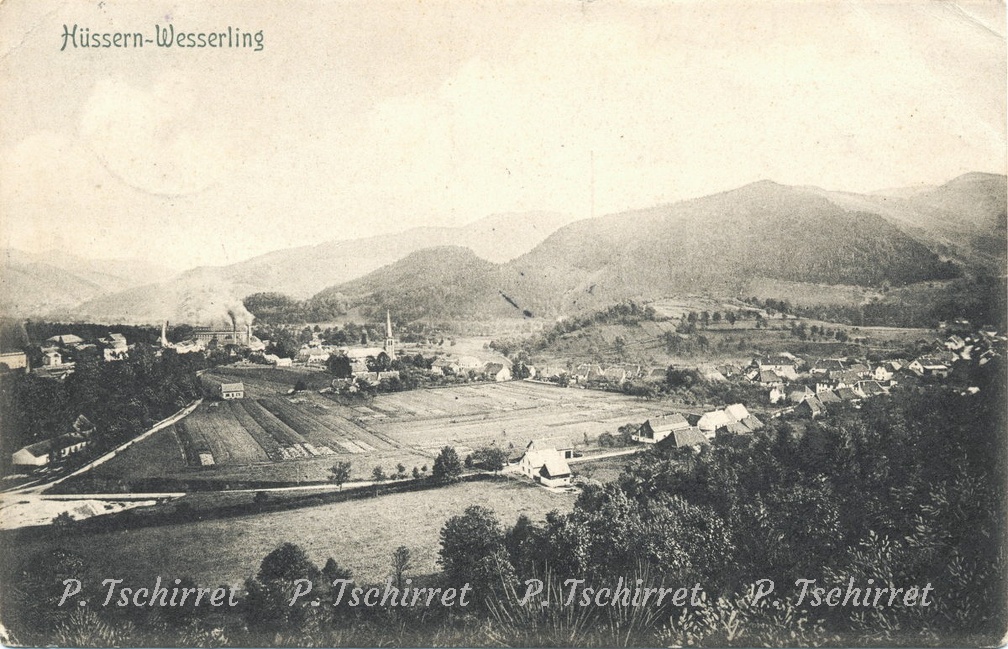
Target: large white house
<point>546,465</point>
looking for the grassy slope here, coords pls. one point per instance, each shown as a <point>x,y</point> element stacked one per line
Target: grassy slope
<point>360,535</point>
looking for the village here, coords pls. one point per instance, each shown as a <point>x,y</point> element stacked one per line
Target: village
<point>276,422</point>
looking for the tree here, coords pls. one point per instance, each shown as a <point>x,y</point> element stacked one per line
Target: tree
<point>339,366</point>
<point>340,473</point>
<point>378,476</point>
<point>490,458</point>
<point>400,564</point>
<point>468,539</point>
<point>447,466</point>
<point>400,471</point>
<point>270,591</point>
<point>61,523</point>
<point>333,571</point>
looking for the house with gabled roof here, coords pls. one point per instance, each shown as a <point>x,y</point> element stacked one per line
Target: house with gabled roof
<point>654,432</point>
<point>710,422</point>
<point>810,407</point>
<point>232,390</point>
<point>799,394</point>
<point>689,436</point>
<point>545,464</point>
<point>497,371</point>
<point>847,394</point>
<point>785,367</point>
<point>43,452</point>
<point>868,389</point>
<point>769,377</point>
<point>827,397</point>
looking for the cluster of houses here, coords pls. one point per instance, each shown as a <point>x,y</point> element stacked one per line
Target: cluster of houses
<point>595,375</point>
<point>696,429</point>
<point>58,352</point>
<point>811,388</point>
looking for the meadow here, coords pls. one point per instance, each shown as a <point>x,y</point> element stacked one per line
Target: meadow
<point>359,534</point>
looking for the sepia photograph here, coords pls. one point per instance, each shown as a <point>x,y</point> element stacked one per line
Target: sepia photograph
<point>503,323</point>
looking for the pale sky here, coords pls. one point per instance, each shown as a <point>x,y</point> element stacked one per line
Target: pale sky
<point>372,117</point>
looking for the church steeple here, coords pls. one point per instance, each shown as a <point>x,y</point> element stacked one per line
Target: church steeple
<point>389,340</point>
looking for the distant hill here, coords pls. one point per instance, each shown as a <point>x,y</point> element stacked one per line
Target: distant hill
<point>434,282</point>
<point>728,244</point>
<point>33,283</point>
<point>204,295</point>
<point>718,244</point>
<point>966,217</point>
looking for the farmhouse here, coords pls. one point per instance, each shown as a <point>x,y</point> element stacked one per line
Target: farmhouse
<point>314,355</point>
<point>273,359</point>
<point>52,357</point>
<point>827,397</point>
<point>546,465</point>
<point>847,394</point>
<point>375,378</point>
<point>882,373</point>
<point>41,453</point>
<point>869,389</point>
<point>232,390</point>
<point>769,377</point>
<point>800,394</point>
<point>929,366</point>
<point>710,422</point>
<point>649,433</point>
<point>497,371</point>
<point>783,366</point>
<point>811,407</point>
<point>681,438</point>
<point>36,454</point>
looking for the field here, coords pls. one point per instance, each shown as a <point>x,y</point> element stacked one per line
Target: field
<point>271,436</point>
<point>360,535</point>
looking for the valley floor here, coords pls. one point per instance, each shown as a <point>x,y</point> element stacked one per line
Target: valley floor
<point>271,438</point>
